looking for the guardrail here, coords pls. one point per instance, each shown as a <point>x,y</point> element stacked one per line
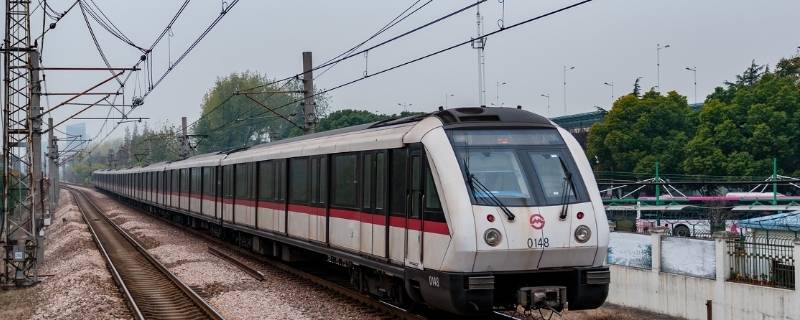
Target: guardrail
<point>762,260</point>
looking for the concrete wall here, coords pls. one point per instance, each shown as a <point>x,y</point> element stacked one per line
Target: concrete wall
<point>686,296</point>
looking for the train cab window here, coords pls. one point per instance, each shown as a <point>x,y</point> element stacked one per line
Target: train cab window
<point>345,180</point>
<point>266,180</point>
<point>398,182</point>
<point>367,167</point>
<point>380,180</point>
<point>227,181</point>
<point>431,194</point>
<point>298,180</point>
<point>416,186</point>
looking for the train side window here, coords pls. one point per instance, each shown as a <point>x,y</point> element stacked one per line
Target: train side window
<point>227,181</point>
<point>197,179</point>
<point>298,180</point>
<point>398,182</point>
<point>367,167</point>
<point>185,181</point>
<point>280,179</point>
<point>380,180</point>
<point>314,180</point>
<point>344,180</point>
<point>266,180</point>
<point>323,185</point>
<point>242,181</point>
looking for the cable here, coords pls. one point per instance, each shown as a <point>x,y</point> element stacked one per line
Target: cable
<point>396,20</point>
<point>169,25</point>
<point>107,24</point>
<point>97,44</point>
<point>439,52</point>
<point>440,19</point>
<point>192,46</point>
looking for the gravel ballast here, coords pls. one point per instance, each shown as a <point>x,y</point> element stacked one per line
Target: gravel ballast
<point>75,283</point>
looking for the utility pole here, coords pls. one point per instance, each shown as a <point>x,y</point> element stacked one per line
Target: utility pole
<point>309,106</point>
<point>19,236</point>
<point>184,140</point>
<point>479,44</point>
<point>547,96</point>
<point>52,167</point>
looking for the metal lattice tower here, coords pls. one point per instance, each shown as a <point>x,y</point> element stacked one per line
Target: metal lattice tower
<point>19,221</point>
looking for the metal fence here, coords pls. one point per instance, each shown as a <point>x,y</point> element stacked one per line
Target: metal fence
<point>765,261</point>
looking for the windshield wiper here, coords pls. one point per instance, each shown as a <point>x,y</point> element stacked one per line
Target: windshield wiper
<point>473,182</point>
<point>568,187</point>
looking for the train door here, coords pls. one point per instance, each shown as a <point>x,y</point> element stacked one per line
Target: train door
<point>414,234</point>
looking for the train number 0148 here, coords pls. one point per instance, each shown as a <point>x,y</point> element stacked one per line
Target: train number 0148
<point>538,242</point>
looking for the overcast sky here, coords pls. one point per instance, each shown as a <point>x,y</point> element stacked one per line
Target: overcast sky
<point>606,40</point>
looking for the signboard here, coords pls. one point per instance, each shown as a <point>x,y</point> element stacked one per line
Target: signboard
<point>630,249</point>
<point>691,257</point>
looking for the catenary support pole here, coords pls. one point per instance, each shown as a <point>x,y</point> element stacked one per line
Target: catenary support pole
<point>309,106</point>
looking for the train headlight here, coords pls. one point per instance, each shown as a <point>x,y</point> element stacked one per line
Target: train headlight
<point>492,237</point>
<point>583,234</point>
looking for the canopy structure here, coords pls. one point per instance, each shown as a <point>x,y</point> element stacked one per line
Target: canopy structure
<point>789,221</point>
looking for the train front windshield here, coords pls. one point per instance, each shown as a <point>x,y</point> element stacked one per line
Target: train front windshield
<point>517,167</point>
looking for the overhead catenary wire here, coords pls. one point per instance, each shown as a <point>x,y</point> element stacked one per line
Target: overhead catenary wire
<point>348,53</point>
<point>385,42</point>
<point>140,61</point>
<point>440,51</point>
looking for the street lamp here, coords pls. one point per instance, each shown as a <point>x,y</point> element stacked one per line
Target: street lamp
<point>405,106</point>
<point>447,95</point>
<point>611,84</point>
<point>548,102</point>
<point>658,64</point>
<point>694,70</point>
<point>498,92</point>
<point>565,87</point>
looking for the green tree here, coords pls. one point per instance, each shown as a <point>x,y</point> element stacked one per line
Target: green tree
<point>638,131</point>
<point>747,123</point>
<point>231,119</point>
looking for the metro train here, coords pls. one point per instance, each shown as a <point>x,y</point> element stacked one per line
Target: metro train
<point>466,210</point>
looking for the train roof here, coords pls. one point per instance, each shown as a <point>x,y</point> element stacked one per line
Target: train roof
<point>391,133</point>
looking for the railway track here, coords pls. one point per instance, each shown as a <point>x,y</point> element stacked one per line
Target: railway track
<point>150,290</point>
<point>383,310</point>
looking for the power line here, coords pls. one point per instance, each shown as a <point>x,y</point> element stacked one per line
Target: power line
<point>396,20</point>
<point>350,56</point>
<point>429,55</point>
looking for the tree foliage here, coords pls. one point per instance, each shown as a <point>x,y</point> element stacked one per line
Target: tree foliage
<point>738,131</point>
<point>638,131</point>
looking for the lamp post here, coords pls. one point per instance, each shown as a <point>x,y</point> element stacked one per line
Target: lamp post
<point>498,92</point>
<point>694,71</point>
<point>405,106</point>
<point>565,86</point>
<point>611,84</point>
<point>548,102</point>
<point>658,64</point>
<point>447,95</point>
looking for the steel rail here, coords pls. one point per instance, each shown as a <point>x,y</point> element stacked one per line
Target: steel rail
<point>156,293</point>
<point>386,308</point>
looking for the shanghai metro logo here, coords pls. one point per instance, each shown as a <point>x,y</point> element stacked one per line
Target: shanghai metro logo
<point>537,221</point>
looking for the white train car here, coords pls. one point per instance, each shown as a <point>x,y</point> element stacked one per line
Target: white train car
<point>467,210</point>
